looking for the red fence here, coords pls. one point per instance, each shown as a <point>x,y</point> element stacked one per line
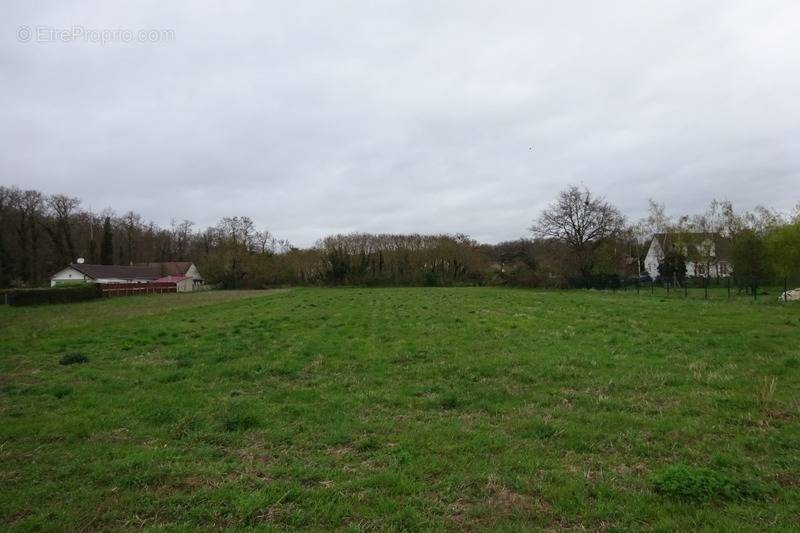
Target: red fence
<point>130,289</point>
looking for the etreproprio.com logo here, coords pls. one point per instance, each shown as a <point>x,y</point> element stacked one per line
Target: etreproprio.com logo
<point>101,36</point>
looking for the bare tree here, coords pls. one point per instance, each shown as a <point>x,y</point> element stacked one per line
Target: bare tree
<point>265,243</point>
<point>581,221</point>
<point>181,234</point>
<point>61,211</point>
<point>31,206</point>
<point>640,235</point>
<point>7,203</point>
<point>657,220</point>
<point>132,226</point>
<point>763,219</point>
<point>282,246</point>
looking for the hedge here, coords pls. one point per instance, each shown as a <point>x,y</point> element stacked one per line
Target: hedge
<point>59,295</point>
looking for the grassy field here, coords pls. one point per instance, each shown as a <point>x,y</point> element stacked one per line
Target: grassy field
<point>400,409</point>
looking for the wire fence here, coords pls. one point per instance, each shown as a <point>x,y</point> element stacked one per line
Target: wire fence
<point>723,288</point>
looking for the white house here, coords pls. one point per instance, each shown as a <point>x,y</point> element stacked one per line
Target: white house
<point>142,273</point>
<point>706,254</point>
<point>80,272</point>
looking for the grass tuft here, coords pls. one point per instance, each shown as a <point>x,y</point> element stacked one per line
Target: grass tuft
<point>700,484</point>
<point>765,392</point>
<point>73,358</point>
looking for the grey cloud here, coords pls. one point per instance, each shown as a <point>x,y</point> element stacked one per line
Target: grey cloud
<point>320,117</point>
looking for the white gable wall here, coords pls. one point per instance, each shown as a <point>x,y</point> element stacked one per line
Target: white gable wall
<point>68,275</point>
<point>653,258</point>
<point>193,273</point>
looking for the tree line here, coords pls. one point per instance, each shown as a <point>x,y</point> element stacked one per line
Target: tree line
<point>762,246</point>
<point>580,240</point>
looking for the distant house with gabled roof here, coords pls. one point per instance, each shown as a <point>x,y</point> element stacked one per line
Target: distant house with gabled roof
<point>706,254</point>
<point>177,269</point>
<point>141,273</point>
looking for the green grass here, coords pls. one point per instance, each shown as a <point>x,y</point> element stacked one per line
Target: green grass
<point>401,409</point>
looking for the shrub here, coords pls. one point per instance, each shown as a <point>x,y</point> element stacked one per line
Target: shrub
<point>430,279</point>
<point>703,484</point>
<point>73,358</point>
<point>56,295</point>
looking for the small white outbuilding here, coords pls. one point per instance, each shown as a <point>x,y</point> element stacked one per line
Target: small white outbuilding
<point>182,283</point>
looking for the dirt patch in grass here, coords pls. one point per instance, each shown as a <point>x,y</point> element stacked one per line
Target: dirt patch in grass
<point>495,502</point>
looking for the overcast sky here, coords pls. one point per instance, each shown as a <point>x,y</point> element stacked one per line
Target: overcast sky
<point>337,116</point>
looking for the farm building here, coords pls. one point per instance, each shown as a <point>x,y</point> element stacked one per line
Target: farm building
<point>185,275</point>
<point>182,283</point>
<point>79,272</point>
<point>707,254</point>
<point>179,269</point>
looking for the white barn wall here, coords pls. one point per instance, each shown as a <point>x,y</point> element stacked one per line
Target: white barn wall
<point>68,275</point>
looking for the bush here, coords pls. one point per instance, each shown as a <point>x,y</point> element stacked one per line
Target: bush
<point>73,358</point>
<point>55,295</point>
<point>703,484</point>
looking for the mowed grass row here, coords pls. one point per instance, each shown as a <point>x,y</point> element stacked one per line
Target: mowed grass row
<point>397,409</point>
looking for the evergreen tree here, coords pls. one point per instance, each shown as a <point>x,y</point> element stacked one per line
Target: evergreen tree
<point>107,244</point>
<point>673,267</point>
<point>750,261</point>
